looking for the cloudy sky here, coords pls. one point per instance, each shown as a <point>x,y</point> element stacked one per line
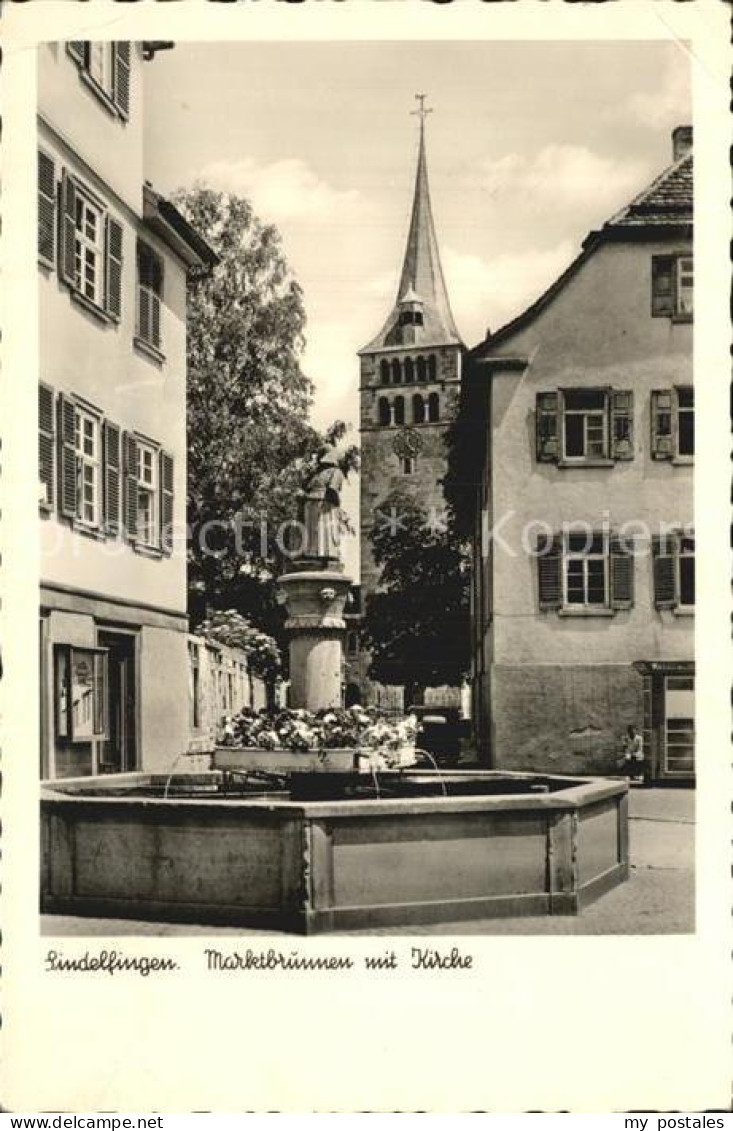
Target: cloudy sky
<point>529,147</point>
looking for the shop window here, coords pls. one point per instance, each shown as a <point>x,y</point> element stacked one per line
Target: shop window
<point>81,693</point>
<point>679,725</point>
<point>673,423</point>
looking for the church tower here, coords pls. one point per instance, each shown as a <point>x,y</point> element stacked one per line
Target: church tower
<point>409,386</point>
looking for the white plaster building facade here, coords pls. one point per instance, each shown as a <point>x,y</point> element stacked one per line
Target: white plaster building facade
<point>113,258</point>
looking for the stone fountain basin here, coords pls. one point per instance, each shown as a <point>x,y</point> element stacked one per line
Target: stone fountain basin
<point>115,847</point>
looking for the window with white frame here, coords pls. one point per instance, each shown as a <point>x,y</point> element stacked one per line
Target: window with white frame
<point>106,68</point>
<point>147,495</point>
<point>672,286</point>
<point>87,447</point>
<point>584,426</point>
<point>685,282</point>
<point>89,248</point>
<point>101,65</point>
<point>585,431</point>
<point>673,423</point>
<point>585,570</point>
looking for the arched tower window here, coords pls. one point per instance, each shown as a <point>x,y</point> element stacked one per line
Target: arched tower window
<point>433,408</point>
<point>384,371</point>
<point>418,409</point>
<point>399,410</point>
<point>421,369</point>
<point>432,367</point>
<point>409,370</point>
<point>384,411</point>
<point>396,372</point>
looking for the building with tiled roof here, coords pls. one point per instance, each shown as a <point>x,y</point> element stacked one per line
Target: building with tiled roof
<point>572,472</point>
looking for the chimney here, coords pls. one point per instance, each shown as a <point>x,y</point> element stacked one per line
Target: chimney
<point>681,141</point>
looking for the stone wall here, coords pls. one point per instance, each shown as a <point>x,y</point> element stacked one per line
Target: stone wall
<point>219,686</point>
<point>563,719</point>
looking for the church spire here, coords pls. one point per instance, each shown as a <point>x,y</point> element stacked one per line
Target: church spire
<point>421,282</point>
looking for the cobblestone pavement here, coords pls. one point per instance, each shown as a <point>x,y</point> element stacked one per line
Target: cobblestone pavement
<point>657,899</point>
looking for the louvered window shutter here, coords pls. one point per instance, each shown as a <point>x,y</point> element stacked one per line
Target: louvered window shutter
<point>46,208</point>
<point>114,268</point>
<point>67,456</point>
<point>67,251</point>
<point>549,571</point>
<point>155,320</point>
<point>622,573</point>
<point>150,288</point>
<point>112,475</point>
<point>46,444</point>
<point>144,315</point>
<point>122,77</point>
<point>547,427</point>
<point>130,481</point>
<point>166,502</point>
<point>663,286</point>
<point>78,51</point>
<point>622,424</point>
<point>663,424</point>
<point>665,589</point>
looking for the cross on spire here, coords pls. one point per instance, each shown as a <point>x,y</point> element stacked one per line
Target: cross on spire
<point>421,111</point>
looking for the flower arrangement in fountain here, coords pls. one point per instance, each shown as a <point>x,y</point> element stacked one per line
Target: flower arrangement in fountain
<point>379,736</point>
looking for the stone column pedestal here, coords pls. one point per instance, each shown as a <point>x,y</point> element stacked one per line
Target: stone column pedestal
<point>315,602</point>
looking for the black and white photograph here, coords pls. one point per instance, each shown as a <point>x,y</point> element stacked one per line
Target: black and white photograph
<point>372,578</point>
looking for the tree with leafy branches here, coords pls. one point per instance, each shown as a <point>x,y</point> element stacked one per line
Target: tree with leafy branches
<point>417,624</point>
<point>250,443</point>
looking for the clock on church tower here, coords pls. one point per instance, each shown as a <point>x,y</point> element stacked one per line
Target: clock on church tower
<point>410,381</point>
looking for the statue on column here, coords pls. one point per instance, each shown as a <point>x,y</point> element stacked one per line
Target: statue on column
<point>321,511</point>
